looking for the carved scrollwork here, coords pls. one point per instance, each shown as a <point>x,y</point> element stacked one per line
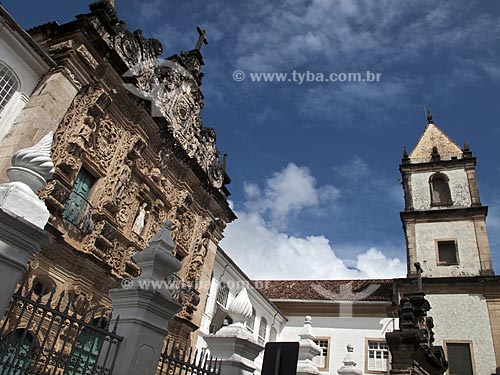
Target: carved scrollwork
<point>172,86</point>
<point>76,131</point>
<point>128,204</point>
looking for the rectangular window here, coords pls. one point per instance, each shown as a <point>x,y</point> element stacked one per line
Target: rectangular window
<point>459,358</point>
<point>447,253</point>
<point>251,322</point>
<point>77,210</point>
<point>322,360</point>
<point>378,356</point>
<point>222,294</point>
<point>262,330</point>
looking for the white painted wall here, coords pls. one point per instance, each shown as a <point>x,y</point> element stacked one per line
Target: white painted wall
<point>426,235</point>
<point>341,331</point>
<point>28,67</point>
<point>459,188</point>
<point>236,281</point>
<point>464,317</point>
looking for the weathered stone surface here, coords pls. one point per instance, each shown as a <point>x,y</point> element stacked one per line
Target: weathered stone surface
<point>434,137</point>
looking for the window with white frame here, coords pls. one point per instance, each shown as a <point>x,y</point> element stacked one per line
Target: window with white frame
<point>273,335</point>
<point>9,84</point>
<point>223,294</point>
<point>378,356</point>
<point>250,323</point>
<point>262,330</point>
<point>321,361</point>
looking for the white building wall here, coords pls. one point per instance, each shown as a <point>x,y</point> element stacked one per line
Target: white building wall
<point>464,317</point>
<point>426,235</point>
<point>341,332</point>
<point>224,271</point>
<point>459,189</point>
<point>27,66</point>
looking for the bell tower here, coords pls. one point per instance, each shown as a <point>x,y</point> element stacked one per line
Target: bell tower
<point>444,221</point>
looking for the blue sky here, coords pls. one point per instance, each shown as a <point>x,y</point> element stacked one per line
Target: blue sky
<point>315,166</point>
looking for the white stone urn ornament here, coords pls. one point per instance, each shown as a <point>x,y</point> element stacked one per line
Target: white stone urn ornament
<point>240,309</point>
<point>33,166</point>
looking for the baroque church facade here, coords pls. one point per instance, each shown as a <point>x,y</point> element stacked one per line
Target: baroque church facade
<point>131,152</point>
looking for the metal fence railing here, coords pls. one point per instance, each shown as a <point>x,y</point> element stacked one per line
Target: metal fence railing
<point>177,360</point>
<point>56,336</point>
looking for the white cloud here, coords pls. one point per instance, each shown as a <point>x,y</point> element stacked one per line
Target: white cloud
<point>288,192</point>
<point>353,31</point>
<point>354,170</point>
<point>265,251</point>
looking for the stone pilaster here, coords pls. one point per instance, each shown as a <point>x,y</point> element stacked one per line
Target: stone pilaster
<point>483,245</point>
<point>474,191</point>
<point>411,245</point>
<point>494,312</point>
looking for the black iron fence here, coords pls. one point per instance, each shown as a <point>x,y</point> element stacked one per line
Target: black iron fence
<point>56,336</point>
<point>176,360</point>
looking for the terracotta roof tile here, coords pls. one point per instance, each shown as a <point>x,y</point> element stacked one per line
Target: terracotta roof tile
<point>324,290</point>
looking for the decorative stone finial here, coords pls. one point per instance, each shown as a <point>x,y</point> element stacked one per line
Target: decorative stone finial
<point>406,157</point>
<point>306,331</point>
<point>349,367</point>
<point>33,166</point>
<point>467,153</point>
<point>240,309</point>
<point>429,117</point>
<point>157,261</point>
<point>308,349</point>
<point>164,235</point>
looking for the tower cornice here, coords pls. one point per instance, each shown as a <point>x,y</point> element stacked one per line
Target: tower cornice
<point>449,214</point>
<point>438,165</point>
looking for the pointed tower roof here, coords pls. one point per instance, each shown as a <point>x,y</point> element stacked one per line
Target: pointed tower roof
<point>434,138</point>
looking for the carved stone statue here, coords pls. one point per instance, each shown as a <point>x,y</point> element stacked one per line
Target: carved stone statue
<point>84,136</point>
<point>123,179</point>
<point>140,220</point>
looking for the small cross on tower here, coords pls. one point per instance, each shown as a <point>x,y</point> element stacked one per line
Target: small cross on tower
<point>202,39</point>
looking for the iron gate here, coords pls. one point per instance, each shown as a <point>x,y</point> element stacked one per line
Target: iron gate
<point>180,361</point>
<point>61,336</point>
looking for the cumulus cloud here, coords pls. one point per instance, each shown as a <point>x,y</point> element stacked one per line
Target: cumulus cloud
<point>264,250</point>
<point>287,192</point>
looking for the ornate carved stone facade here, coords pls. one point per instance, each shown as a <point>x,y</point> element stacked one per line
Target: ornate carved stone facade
<point>131,152</point>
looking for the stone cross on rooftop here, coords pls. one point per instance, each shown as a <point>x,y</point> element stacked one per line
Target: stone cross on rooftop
<point>202,39</point>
